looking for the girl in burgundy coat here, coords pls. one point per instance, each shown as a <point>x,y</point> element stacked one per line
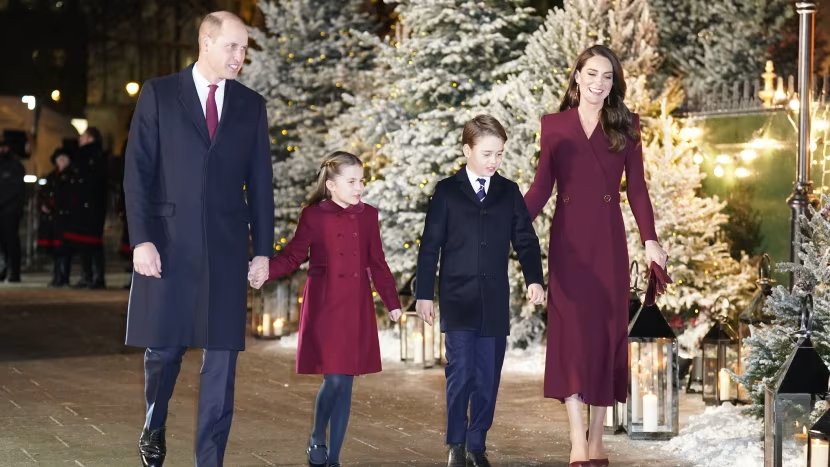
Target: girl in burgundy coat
<point>338,328</point>
<point>586,147</point>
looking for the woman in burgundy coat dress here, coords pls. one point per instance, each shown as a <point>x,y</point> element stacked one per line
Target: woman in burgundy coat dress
<point>586,147</point>
<point>338,327</point>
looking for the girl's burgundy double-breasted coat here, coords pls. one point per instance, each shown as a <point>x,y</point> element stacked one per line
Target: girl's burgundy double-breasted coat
<point>338,328</point>
<point>587,348</point>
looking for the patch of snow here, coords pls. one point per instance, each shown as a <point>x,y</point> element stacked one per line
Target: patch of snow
<point>723,437</point>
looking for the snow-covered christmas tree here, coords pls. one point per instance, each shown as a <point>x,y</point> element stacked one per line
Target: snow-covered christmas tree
<point>445,53</point>
<point>714,43</point>
<point>771,344</point>
<point>303,62</point>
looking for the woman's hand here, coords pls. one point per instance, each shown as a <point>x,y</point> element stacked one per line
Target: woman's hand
<point>655,253</point>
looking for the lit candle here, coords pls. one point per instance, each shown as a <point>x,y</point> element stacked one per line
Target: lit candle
<point>649,412</point>
<point>635,397</point>
<point>801,440</point>
<point>819,453</point>
<point>419,348</point>
<point>723,384</point>
<point>278,326</point>
<point>266,324</point>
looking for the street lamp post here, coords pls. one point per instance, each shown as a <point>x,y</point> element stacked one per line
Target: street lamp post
<point>802,195</point>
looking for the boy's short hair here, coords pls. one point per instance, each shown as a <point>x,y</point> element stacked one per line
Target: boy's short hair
<point>481,126</point>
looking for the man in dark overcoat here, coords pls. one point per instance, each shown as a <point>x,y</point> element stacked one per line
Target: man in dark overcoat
<point>84,234</point>
<point>198,146</point>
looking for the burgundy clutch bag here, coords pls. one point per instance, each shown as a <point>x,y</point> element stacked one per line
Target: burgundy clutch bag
<point>658,278</point>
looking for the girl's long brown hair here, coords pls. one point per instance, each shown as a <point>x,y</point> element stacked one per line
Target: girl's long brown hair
<point>331,167</point>
<point>614,118</point>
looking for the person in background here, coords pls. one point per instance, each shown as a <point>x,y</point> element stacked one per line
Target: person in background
<point>55,200</point>
<point>85,232</point>
<point>12,200</point>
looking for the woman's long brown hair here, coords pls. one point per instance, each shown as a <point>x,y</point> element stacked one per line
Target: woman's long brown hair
<point>614,118</point>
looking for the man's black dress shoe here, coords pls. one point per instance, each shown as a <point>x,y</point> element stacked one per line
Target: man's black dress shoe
<point>478,459</point>
<point>152,448</point>
<point>457,456</point>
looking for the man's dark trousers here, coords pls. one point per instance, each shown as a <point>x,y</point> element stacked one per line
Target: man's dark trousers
<point>216,386</point>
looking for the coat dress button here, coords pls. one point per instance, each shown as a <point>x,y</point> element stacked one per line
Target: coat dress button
<point>483,243</point>
<point>354,235</point>
<point>565,199</point>
<point>607,198</point>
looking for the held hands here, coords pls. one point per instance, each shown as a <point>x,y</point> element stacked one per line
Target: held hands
<point>535,294</point>
<point>425,310</point>
<point>656,254</point>
<point>395,314</point>
<point>258,271</point>
<point>146,260</point>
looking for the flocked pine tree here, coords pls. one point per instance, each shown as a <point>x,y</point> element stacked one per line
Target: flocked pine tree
<point>715,43</point>
<point>302,63</point>
<point>771,344</point>
<point>445,53</point>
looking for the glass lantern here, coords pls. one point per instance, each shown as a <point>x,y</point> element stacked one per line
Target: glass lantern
<point>818,443</point>
<point>791,397</point>
<point>421,344</point>
<point>270,309</point>
<point>652,410</point>
<point>614,422</point>
<point>720,356</point>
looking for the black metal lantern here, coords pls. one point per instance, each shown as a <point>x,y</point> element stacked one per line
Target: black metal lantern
<point>720,351</point>
<point>652,410</point>
<point>271,309</point>
<point>818,443</point>
<point>791,396</point>
<point>421,344</point>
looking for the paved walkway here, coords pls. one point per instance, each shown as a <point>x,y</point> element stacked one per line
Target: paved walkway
<point>71,395</point>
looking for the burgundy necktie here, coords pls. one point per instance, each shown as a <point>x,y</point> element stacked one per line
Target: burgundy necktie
<point>211,114</point>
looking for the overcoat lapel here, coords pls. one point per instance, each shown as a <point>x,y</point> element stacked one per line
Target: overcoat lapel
<point>189,100</point>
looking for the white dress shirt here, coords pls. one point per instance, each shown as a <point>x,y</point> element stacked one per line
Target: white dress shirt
<point>203,89</point>
<point>474,181</point>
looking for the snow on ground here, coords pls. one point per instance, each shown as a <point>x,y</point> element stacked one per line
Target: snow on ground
<point>723,437</point>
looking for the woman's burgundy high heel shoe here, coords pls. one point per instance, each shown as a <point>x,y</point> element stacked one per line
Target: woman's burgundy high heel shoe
<point>580,464</point>
<point>600,463</point>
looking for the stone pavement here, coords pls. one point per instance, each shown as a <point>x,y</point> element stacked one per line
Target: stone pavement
<point>71,395</point>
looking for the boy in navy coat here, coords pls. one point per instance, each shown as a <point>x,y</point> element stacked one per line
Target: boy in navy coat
<point>473,219</point>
